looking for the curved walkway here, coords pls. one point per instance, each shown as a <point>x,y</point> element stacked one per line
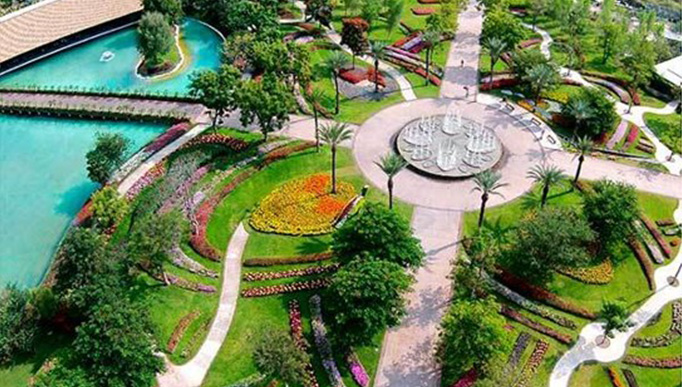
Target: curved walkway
<point>193,372</point>
<point>587,349</point>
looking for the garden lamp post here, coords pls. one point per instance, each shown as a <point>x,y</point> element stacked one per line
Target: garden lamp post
<point>672,280</point>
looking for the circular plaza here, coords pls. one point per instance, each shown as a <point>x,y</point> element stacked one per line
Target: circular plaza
<point>445,143</point>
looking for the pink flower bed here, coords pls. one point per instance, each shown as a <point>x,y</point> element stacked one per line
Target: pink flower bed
<point>148,179</point>
<point>169,136</point>
<point>467,380</point>
<point>632,136</point>
<point>273,275</point>
<point>618,134</point>
<point>264,291</point>
<point>218,139</point>
<point>296,330</point>
<point>668,362</point>
<point>357,370</point>
<point>184,187</point>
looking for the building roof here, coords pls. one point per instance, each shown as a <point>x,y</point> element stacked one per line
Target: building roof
<point>51,20</point>
<point>671,70</point>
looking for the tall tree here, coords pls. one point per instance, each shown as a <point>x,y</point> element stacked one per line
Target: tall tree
<point>268,101</point>
<point>501,24</point>
<point>583,146</point>
<point>108,208</point>
<point>155,38</point>
<point>391,164</point>
<point>615,317</point>
<point>365,298</point>
<point>316,96</point>
<point>611,208</point>
<point>107,155</point>
<point>336,62</point>
<point>639,59</point>
<point>431,39</point>
<point>18,323</point>
<point>394,14</point>
<point>547,175</point>
<point>495,47</point>
<point>319,10</point>
<point>537,8</point>
<point>277,356</point>
<point>472,334</point>
<point>376,49</point>
<point>487,183</point>
<point>541,78</point>
<point>153,239</point>
<point>354,36</point>
<point>334,134</point>
<point>216,90</point>
<point>591,111</point>
<point>377,233</point>
<point>80,255</point>
<point>171,9</point>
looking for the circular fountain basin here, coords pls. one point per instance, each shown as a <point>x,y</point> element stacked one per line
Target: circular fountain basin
<point>449,146</point>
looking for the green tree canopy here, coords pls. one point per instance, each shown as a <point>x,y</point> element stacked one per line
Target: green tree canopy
<point>154,238</point>
<point>107,155</point>
<point>155,38</point>
<point>80,255</point>
<point>377,233</point>
<point>501,24</point>
<point>108,208</point>
<point>611,209</point>
<point>365,298</point>
<point>277,356</point>
<point>615,316</point>
<point>18,323</point>
<point>216,89</point>
<point>472,335</point>
<point>547,240</point>
<point>602,112</point>
<point>268,101</point>
<point>172,9</point>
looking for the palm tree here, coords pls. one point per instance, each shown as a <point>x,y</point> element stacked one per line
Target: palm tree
<point>334,135</point>
<point>496,48</point>
<point>580,111</point>
<point>487,183</point>
<point>615,317</point>
<point>431,39</point>
<point>540,77</point>
<point>376,49</point>
<point>547,176</point>
<point>315,97</point>
<point>584,146</point>
<point>391,164</point>
<point>336,62</point>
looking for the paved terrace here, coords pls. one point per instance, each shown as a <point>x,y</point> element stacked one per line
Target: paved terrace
<point>26,30</point>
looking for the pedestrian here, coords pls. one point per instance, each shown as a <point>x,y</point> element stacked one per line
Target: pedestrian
<point>466,88</point>
<point>461,63</point>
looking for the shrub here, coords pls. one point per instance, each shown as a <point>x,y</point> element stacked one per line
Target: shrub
<point>277,355</point>
<point>18,323</point>
<point>108,208</point>
<point>603,113</point>
<point>611,208</point>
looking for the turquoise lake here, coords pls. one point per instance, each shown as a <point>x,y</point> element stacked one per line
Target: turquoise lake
<point>81,66</point>
<point>44,183</point>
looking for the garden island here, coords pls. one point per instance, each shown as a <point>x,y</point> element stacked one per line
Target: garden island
<point>387,193</point>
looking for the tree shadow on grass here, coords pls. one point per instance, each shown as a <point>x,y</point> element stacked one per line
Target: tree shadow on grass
<point>312,245</point>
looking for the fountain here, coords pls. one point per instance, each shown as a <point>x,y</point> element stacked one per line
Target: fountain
<point>106,56</point>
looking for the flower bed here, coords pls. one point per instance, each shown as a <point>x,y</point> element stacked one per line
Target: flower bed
<point>147,179</point>
<point>530,43</point>
<point>324,347</point>
<point>84,214</point>
<point>357,370</point>
<point>234,144</point>
<point>302,206</point>
<point>617,135</point>
<point>264,291</point>
<point>530,305</point>
<point>537,293</point>
<point>289,260</point>
<point>189,285</point>
<point>423,11</point>
<point>644,261</point>
<point>170,135</point>
<point>468,379</point>
<point>657,235</point>
<point>273,275</point>
<point>666,222</point>
<point>518,317</point>
<point>633,93</point>
<point>499,83</point>
<point>651,246</point>
<point>180,259</point>
<point>296,330</point>
<point>668,337</point>
<point>597,275</point>
<point>615,378</point>
<point>183,189</point>
<point>353,76</point>
<point>533,363</point>
<point>632,136</point>
<point>520,346</point>
<point>180,330</point>
<point>651,362</point>
<point>630,377</point>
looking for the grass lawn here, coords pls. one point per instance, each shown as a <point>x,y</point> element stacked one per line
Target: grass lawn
<point>595,375</point>
<point>668,129</point>
<point>18,372</point>
<point>256,315</point>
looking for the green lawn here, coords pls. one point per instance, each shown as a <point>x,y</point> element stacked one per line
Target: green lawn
<point>595,375</point>
<point>668,129</point>
<point>18,372</point>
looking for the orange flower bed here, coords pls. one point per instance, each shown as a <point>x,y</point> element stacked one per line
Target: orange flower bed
<point>303,206</point>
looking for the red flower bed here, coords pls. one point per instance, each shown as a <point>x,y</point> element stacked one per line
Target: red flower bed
<point>432,78</point>
<point>273,275</point>
<point>288,260</point>
<point>666,362</point>
<point>296,330</point>
<point>429,1</point>
<point>499,83</point>
<point>353,76</point>
<point>467,380</point>
<point>372,77</point>
<point>644,261</point>
<point>538,293</point>
<point>180,329</point>
<point>632,136</point>
<point>84,214</point>
<point>219,139</point>
<point>657,235</point>
<point>400,42</point>
<point>168,136</point>
<point>518,317</point>
<point>264,291</point>
<point>284,152</point>
<point>530,42</point>
<point>423,11</point>
<point>570,82</point>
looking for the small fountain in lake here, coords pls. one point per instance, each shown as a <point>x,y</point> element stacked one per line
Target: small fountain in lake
<point>106,56</point>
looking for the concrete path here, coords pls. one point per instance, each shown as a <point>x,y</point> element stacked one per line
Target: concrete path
<point>404,85</point>
<point>465,47</point>
<point>586,349</point>
<point>303,128</point>
<point>193,372</point>
<point>407,356</point>
<point>157,157</point>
